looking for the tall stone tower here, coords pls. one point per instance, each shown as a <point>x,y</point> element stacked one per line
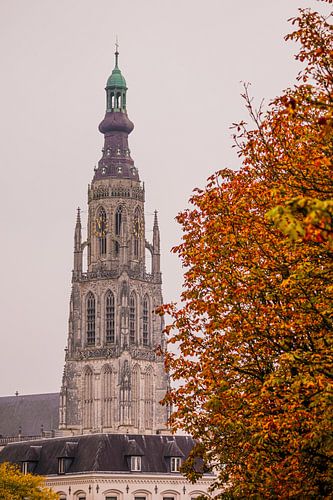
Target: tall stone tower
<point>113,379</point>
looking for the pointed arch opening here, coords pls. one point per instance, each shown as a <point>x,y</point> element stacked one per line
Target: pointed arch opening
<point>91,318</point>
<point>101,230</point>
<point>133,319</point>
<point>85,256</point>
<point>125,394</point>
<point>136,374</point>
<point>148,398</point>
<point>107,396</point>
<point>145,321</point>
<point>137,230</point>
<point>88,398</point>
<point>118,224</point>
<point>148,260</point>
<point>109,318</point>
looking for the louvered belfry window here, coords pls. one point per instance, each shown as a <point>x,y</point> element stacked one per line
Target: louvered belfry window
<point>91,321</point>
<point>109,318</point>
<point>145,318</point>
<point>132,318</point>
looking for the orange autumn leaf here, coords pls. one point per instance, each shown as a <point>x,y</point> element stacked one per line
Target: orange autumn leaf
<point>254,368</point>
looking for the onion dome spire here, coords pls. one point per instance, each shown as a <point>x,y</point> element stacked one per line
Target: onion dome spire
<point>116,116</point>
<point>116,161</point>
<point>116,88</point>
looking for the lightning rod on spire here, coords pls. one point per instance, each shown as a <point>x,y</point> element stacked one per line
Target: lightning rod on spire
<point>117,52</point>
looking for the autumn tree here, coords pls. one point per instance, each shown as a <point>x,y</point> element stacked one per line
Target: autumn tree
<point>16,486</point>
<point>254,330</point>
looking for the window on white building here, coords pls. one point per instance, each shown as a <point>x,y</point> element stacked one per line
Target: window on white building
<point>175,464</point>
<point>135,463</point>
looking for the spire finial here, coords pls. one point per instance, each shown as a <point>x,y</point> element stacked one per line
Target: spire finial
<point>155,219</point>
<point>78,217</point>
<point>117,52</point>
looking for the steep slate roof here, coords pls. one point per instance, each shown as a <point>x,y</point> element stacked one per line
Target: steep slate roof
<point>101,452</point>
<point>30,413</point>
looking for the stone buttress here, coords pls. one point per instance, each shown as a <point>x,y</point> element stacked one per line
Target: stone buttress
<point>113,379</point>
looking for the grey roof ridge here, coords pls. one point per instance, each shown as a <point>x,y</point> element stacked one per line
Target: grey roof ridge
<point>29,395</point>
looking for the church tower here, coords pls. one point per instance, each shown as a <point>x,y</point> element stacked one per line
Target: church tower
<point>113,378</point>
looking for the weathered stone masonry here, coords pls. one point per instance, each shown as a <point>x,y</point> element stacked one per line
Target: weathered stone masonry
<point>113,380</point>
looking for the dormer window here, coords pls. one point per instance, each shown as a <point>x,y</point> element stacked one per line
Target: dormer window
<point>28,466</point>
<point>135,463</point>
<point>61,466</point>
<point>25,467</point>
<point>119,169</point>
<point>175,464</point>
<point>64,464</point>
<point>30,459</point>
<point>66,457</point>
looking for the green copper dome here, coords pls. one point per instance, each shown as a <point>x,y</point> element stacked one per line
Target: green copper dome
<point>116,79</point>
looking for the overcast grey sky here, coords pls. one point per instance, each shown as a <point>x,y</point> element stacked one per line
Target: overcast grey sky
<point>183,61</point>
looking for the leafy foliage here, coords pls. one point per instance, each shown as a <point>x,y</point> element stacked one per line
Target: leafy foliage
<point>14,485</point>
<point>254,365</point>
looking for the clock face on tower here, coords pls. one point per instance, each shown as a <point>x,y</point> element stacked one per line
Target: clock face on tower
<point>101,227</point>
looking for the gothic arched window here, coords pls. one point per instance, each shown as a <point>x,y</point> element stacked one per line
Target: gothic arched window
<point>125,394</point>
<point>136,396</point>
<point>109,318</point>
<point>101,230</point>
<point>145,321</point>
<point>119,213</point>
<point>107,396</point>
<point>132,318</point>
<point>118,222</point>
<point>88,398</point>
<point>137,231</point>
<point>91,321</point>
<point>148,398</point>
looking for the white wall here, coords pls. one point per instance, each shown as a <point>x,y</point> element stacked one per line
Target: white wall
<point>126,487</point>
